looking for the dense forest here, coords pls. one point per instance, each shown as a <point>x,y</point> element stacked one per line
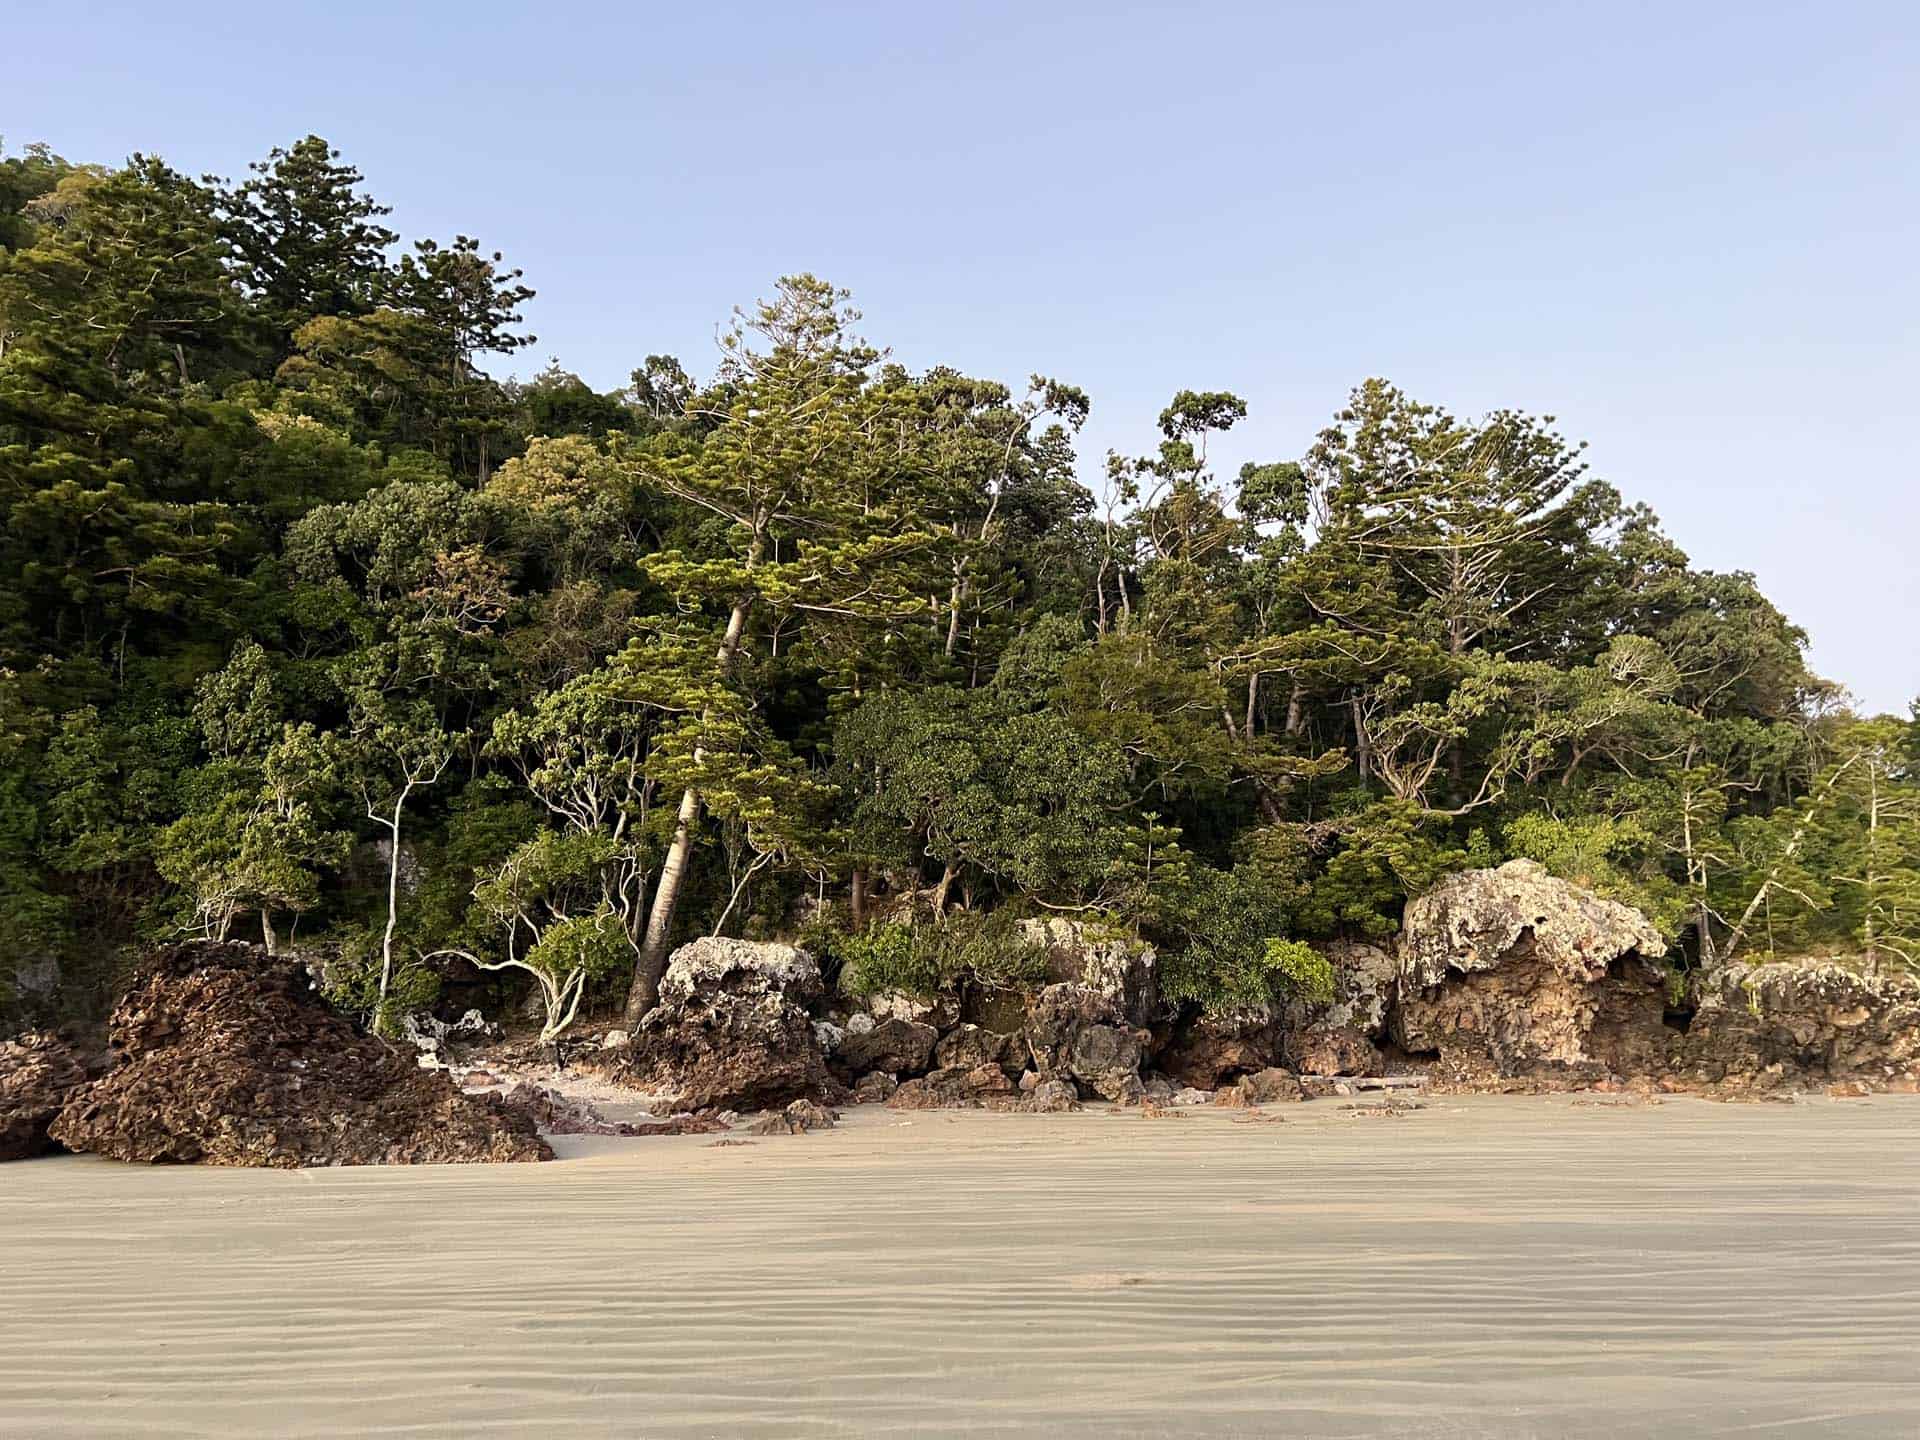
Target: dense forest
<point>314,633</point>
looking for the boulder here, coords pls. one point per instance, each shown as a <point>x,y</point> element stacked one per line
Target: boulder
<point>1214,1048</point>
<point>939,1011</point>
<point>901,1048</point>
<point>1270,1087</point>
<point>951,1089</point>
<point>971,1046</point>
<point>874,1088</point>
<point>1079,1034</point>
<point>1049,1097</point>
<point>1511,972</point>
<point>38,1071</point>
<point>1124,970</point>
<point>1802,1023</point>
<point>225,1055</point>
<point>1339,1037</point>
<point>555,1114</point>
<point>732,1030</point>
<point>796,1119</point>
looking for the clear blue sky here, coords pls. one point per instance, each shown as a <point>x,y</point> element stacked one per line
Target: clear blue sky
<point>1689,230</point>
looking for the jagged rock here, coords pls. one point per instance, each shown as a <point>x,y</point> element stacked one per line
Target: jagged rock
<point>950,1089</point>
<point>859,1023</point>
<point>1269,1087</point>
<point>874,1088</point>
<point>556,1114</point>
<point>900,1047</point>
<point>798,1118</point>
<point>732,1030</point>
<point>1339,1037</point>
<point>1124,970</point>
<point>1191,1095</point>
<point>940,1011</point>
<point>38,1071</point>
<point>1157,1090</point>
<point>830,1036</point>
<point>1214,1048</point>
<point>740,967</point>
<point>1049,1097</point>
<point>1512,972</point>
<point>1079,1034</point>
<point>224,1055</point>
<point>970,1045</point>
<point>1802,1023</point>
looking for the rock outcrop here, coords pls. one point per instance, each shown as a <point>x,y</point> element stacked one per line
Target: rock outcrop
<point>1802,1023</point>
<point>952,1088</point>
<point>224,1055</point>
<point>1215,1048</point>
<point>1124,970</point>
<point>732,1029</point>
<point>1513,972</point>
<point>970,1046</point>
<point>38,1071</point>
<point>1341,1036</point>
<point>900,1048</point>
<point>1079,1034</point>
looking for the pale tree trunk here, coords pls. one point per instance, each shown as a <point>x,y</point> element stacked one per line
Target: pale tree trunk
<point>267,936</point>
<point>857,897</point>
<point>644,992</point>
<point>393,907</point>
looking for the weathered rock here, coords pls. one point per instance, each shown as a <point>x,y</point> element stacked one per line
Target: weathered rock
<point>940,1011</point>
<point>901,1048</point>
<point>1339,1037</point>
<point>797,1119</point>
<point>950,1089</point>
<point>614,1040</point>
<point>1270,1087</point>
<point>1802,1023</point>
<point>874,1088</point>
<point>970,1045</point>
<point>38,1071</point>
<point>1124,970</point>
<point>1191,1095</point>
<point>1049,1097</point>
<point>1511,972</point>
<point>830,1035</point>
<point>225,1055</point>
<point>1214,1048</point>
<point>732,1030</point>
<point>1079,1034</point>
<point>556,1114</point>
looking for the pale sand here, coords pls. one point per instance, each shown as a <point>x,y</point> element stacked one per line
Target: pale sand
<point>1480,1267</point>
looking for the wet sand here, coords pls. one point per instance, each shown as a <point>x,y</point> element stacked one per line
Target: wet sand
<point>1487,1266</point>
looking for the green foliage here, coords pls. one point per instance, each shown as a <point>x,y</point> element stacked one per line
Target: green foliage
<point>308,621</point>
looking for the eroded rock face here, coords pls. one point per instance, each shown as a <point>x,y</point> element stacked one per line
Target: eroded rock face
<point>900,1048</point>
<point>797,1119</point>
<point>1076,1033</point>
<point>224,1055</point>
<point>971,1046</point>
<point>1341,1037</point>
<point>1217,1047</point>
<point>952,1088</point>
<point>1509,972</point>
<point>1125,971</point>
<point>732,1030</point>
<point>38,1070</point>
<point>1803,1023</point>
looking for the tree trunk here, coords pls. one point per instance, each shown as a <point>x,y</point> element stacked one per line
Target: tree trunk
<point>1363,752</point>
<point>268,938</point>
<point>644,992</point>
<point>857,898</point>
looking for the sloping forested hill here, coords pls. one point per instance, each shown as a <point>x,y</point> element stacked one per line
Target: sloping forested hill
<point>311,631</point>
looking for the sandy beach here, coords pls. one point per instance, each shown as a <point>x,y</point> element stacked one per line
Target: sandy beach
<point>1483,1266</point>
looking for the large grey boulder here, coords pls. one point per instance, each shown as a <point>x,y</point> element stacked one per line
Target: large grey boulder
<point>732,1030</point>
<point>1340,1036</point>
<point>1124,970</point>
<point>1076,1033</point>
<point>1512,971</point>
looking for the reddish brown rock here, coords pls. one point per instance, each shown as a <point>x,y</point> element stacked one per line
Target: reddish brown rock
<point>797,1119</point>
<point>1341,1036</point>
<point>953,1089</point>
<point>1216,1048</point>
<point>874,1088</point>
<point>1512,973</point>
<point>1076,1033</point>
<point>1802,1023</point>
<point>38,1071</point>
<point>971,1045</point>
<point>732,1031</point>
<point>224,1055</point>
